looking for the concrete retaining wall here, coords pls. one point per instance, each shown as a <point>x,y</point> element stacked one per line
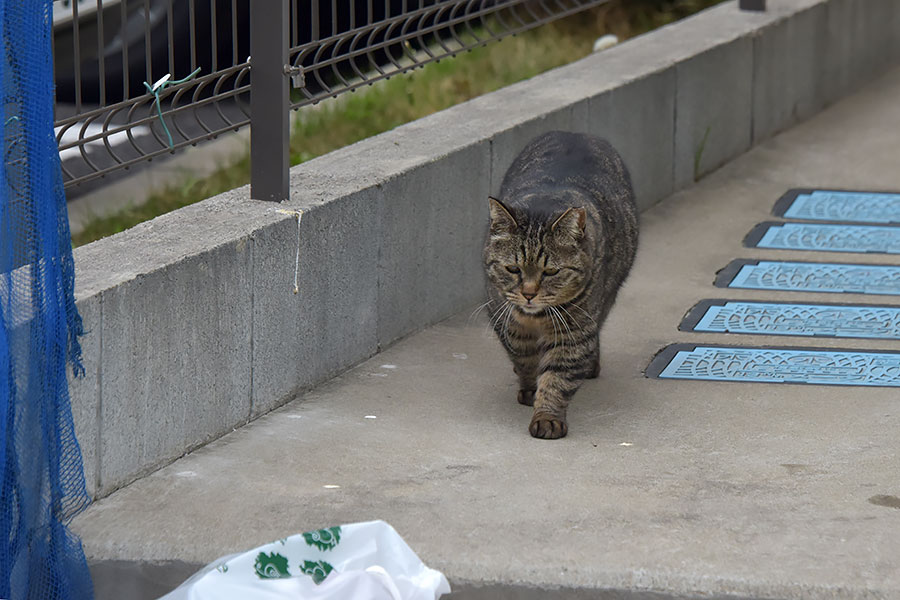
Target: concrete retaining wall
<point>193,328</point>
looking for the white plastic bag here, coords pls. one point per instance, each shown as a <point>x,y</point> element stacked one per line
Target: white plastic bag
<point>362,561</point>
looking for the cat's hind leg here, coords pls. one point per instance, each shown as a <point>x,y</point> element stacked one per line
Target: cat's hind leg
<point>525,397</point>
<point>521,344</point>
<point>526,368</point>
<point>594,362</point>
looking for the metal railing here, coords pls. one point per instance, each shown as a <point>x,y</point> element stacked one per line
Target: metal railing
<point>139,79</point>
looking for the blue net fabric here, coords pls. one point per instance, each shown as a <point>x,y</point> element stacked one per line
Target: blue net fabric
<point>42,476</point>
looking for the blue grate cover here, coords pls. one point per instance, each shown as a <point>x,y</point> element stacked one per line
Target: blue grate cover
<point>780,318</point>
<point>777,365</point>
<point>810,277</point>
<point>825,237</point>
<point>839,205</point>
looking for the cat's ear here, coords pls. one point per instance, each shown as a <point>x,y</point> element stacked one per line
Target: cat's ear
<point>571,222</point>
<point>501,219</point>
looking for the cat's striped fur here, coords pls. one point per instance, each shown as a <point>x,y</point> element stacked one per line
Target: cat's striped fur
<point>563,236</point>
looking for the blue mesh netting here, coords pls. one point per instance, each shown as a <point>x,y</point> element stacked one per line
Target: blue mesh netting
<point>42,478</point>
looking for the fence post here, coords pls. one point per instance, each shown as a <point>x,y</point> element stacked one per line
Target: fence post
<point>269,100</point>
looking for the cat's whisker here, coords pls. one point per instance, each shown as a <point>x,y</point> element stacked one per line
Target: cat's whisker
<point>564,327</point>
<point>569,333</point>
<point>509,312</point>
<point>478,310</point>
<point>557,331</point>
<point>497,315</point>
<point>568,314</point>
<point>574,322</point>
<point>586,313</point>
<point>503,317</point>
<point>553,322</point>
<point>506,323</point>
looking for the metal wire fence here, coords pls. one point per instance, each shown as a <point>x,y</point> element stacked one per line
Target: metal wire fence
<point>139,79</point>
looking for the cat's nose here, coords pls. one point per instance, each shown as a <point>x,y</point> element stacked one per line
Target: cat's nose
<point>528,295</point>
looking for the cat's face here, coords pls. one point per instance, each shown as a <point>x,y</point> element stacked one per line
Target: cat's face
<point>537,264</point>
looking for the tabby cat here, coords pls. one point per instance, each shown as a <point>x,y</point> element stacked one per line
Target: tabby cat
<point>563,236</point>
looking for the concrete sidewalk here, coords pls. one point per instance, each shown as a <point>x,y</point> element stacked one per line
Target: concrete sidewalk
<point>681,489</point>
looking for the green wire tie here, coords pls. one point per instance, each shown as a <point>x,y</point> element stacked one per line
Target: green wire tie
<point>164,82</point>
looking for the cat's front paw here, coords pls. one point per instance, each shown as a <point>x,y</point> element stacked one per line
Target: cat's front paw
<point>547,427</point>
<point>526,397</point>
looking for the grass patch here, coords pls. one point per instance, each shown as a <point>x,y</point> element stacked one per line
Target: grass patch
<point>352,117</point>
<point>436,86</point>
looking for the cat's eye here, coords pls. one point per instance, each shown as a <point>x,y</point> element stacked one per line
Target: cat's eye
<point>550,272</point>
<point>513,269</point>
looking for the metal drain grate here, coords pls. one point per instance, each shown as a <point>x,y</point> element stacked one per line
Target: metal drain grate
<point>828,238</point>
<point>782,318</point>
<point>810,277</point>
<point>839,205</point>
<point>777,365</point>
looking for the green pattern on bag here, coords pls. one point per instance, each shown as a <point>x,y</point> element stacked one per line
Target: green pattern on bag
<point>271,566</point>
<point>323,539</point>
<point>318,570</point>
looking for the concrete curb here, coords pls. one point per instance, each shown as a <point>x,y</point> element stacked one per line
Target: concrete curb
<point>193,326</point>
